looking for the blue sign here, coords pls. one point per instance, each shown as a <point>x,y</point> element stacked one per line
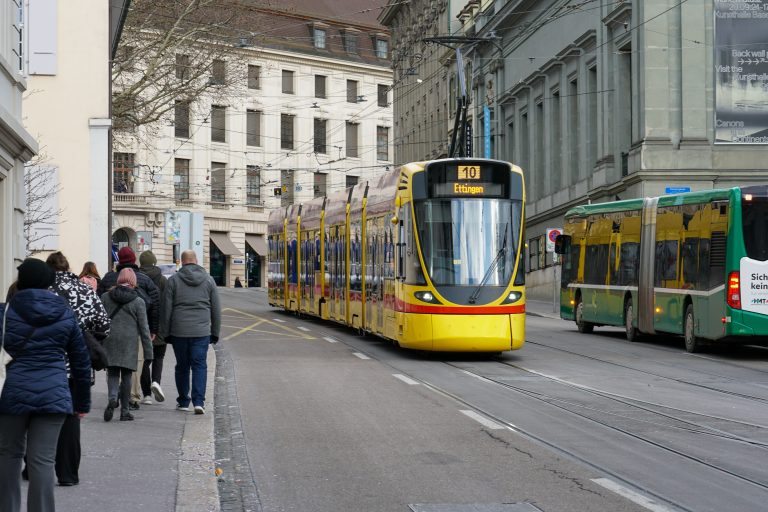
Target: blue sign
<point>676,190</point>
<point>487,131</point>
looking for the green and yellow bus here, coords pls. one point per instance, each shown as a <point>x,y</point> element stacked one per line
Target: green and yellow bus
<point>694,264</point>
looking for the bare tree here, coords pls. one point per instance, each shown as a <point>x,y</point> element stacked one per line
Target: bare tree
<point>172,52</point>
<point>42,187</point>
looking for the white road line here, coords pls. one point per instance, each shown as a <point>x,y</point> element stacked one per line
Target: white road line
<point>482,420</point>
<point>361,356</point>
<point>279,320</point>
<point>303,328</point>
<point>330,340</point>
<point>478,377</point>
<point>631,495</point>
<point>405,379</point>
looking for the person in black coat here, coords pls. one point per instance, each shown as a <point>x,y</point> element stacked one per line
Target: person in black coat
<point>149,293</point>
<point>152,372</point>
<point>39,329</point>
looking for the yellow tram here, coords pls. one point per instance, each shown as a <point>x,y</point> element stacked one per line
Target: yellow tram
<point>428,256</point>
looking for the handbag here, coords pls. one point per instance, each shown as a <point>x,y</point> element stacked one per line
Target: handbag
<point>5,357</point>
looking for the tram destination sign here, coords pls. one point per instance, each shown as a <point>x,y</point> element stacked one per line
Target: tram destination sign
<point>741,72</point>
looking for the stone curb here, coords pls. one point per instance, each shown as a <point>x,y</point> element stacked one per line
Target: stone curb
<point>197,489</point>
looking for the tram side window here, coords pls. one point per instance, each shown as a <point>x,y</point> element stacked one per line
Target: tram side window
<point>755,226</point>
<point>571,262</point>
<point>629,259</point>
<point>689,252</point>
<point>666,263</point>
<point>597,256</point>
<point>355,279</point>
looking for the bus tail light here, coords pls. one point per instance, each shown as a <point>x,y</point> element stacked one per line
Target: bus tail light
<point>734,290</point>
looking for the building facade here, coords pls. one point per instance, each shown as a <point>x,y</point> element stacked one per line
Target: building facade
<point>312,116</point>
<point>425,84</point>
<point>599,102</point>
<point>17,146</point>
<point>67,108</point>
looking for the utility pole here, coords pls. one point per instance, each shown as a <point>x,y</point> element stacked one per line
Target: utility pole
<point>461,138</point>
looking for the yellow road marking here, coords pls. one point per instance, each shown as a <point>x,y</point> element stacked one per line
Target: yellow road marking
<point>243,330</point>
<point>297,333</point>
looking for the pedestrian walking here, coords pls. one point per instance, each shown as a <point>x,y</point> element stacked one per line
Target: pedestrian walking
<point>39,329</point>
<point>152,372</point>
<point>151,297</point>
<point>93,319</point>
<point>129,324</point>
<point>190,321</point>
<point>90,275</point>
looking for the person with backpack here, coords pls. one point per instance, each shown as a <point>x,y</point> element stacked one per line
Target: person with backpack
<point>152,372</point>
<point>94,321</point>
<point>151,297</point>
<point>39,330</point>
<point>129,323</point>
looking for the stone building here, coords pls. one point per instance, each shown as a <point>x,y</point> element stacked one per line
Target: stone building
<point>16,145</point>
<point>599,101</point>
<point>314,116</point>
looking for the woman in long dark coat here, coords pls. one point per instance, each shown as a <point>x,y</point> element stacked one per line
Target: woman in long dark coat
<point>129,324</point>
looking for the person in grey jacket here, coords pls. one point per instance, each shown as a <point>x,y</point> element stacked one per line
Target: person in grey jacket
<point>129,324</point>
<point>190,319</point>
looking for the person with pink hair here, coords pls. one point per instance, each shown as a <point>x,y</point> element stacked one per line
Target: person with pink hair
<point>129,324</point>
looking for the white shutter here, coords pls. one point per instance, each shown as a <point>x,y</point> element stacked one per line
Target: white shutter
<point>42,19</point>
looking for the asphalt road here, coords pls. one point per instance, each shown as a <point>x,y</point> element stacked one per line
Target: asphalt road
<point>335,421</point>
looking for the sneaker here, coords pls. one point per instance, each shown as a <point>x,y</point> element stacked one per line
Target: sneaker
<point>147,400</point>
<point>182,408</point>
<point>110,410</point>
<point>158,392</point>
<point>133,406</point>
<point>126,416</point>
<point>199,409</point>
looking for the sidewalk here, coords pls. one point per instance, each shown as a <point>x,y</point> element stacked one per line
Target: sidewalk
<point>541,308</point>
<point>162,461</point>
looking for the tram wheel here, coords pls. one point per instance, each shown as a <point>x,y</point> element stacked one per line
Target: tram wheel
<point>632,333</point>
<point>692,343</point>
<point>583,326</point>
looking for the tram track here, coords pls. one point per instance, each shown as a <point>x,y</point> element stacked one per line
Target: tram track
<point>659,375</point>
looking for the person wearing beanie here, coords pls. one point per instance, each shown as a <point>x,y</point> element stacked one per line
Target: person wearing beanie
<point>152,371</point>
<point>36,396</point>
<point>129,323</point>
<point>148,292</point>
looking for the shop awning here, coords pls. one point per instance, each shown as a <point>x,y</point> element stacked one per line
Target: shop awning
<point>224,244</point>
<point>257,243</point>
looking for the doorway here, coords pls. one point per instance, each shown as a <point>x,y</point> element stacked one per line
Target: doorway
<point>218,265</point>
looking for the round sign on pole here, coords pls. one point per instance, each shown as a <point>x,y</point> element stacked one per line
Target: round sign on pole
<point>552,234</point>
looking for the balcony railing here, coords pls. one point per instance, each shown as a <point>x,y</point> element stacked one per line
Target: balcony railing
<point>132,199</point>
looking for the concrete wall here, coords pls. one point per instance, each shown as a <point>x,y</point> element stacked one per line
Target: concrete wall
<point>67,110</point>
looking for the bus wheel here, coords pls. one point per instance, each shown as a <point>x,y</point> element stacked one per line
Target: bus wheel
<point>692,343</point>
<point>581,324</point>
<point>632,333</point>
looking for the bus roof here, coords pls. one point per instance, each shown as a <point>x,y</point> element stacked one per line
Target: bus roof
<point>701,196</point>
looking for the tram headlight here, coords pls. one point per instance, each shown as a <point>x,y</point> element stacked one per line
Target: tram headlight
<point>513,296</point>
<point>426,297</point>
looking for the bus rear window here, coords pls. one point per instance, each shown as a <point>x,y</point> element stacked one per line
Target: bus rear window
<point>754,206</point>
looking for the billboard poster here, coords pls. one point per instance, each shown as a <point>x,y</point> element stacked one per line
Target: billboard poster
<point>741,72</point>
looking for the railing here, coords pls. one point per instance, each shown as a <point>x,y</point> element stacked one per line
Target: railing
<point>135,199</point>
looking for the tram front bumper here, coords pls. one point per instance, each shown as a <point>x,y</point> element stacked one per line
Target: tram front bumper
<point>462,333</point>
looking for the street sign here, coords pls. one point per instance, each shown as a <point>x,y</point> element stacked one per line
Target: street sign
<point>676,190</point>
<point>468,141</point>
<point>552,234</point>
<point>741,72</point>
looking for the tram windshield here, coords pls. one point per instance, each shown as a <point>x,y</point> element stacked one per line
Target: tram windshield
<point>461,238</point>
